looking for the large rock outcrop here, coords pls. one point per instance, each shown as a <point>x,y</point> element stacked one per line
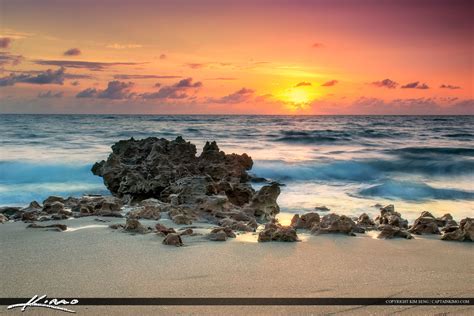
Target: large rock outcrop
<point>141,169</point>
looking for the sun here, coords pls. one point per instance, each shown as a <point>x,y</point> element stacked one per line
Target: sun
<point>299,96</point>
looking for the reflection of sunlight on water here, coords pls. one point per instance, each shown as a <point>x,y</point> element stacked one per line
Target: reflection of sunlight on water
<point>70,229</point>
<point>372,234</point>
<point>285,218</point>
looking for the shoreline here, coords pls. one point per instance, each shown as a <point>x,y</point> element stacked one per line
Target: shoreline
<point>100,262</point>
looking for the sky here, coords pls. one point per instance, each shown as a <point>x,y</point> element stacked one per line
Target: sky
<point>323,57</point>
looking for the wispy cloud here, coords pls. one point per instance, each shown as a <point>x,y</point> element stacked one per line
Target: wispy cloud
<point>177,91</point>
<point>303,84</point>
<point>72,52</point>
<point>10,59</point>
<point>448,86</point>
<point>239,96</point>
<point>123,46</point>
<point>116,90</point>
<point>50,94</point>
<point>5,42</point>
<point>127,77</point>
<point>329,83</point>
<point>47,77</point>
<point>415,85</point>
<point>386,83</point>
<point>90,65</point>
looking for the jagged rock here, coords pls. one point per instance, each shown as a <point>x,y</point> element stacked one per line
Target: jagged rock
<point>3,218</point>
<point>218,236</point>
<point>273,231</point>
<point>238,193</point>
<point>389,231</point>
<point>53,207</point>
<point>51,199</point>
<point>388,216</point>
<point>116,226</point>
<point>29,216</point>
<point>263,204</point>
<point>96,205</point>
<point>465,231</point>
<point>59,227</point>
<point>134,226</point>
<point>227,230</point>
<point>145,168</point>
<point>189,190</point>
<point>305,221</point>
<point>187,232</point>
<point>365,222</point>
<point>444,220</point>
<point>182,219</point>
<point>146,212</point>
<point>163,230</point>
<point>425,224</point>
<point>9,210</point>
<point>33,207</point>
<point>246,226</point>
<point>173,240</point>
<point>333,223</point>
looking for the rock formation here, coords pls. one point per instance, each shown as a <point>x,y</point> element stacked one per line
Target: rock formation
<point>463,232</point>
<point>274,231</point>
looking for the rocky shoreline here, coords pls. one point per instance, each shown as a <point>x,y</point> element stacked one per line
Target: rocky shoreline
<point>156,178</point>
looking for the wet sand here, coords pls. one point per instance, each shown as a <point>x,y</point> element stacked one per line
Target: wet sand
<point>96,261</point>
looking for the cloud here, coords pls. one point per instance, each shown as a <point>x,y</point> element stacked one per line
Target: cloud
<point>50,94</point>
<point>116,90</point>
<point>196,65</point>
<point>415,85</point>
<point>127,77</point>
<point>90,65</point>
<point>329,83</point>
<point>163,56</point>
<point>317,45</point>
<point>239,96</point>
<point>5,42</point>
<point>9,59</point>
<point>72,52</point>
<point>46,77</point>
<point>303,84</point>
<point>386,83</point>
<point>75,83</point>
<point>177,91</point>
<point>448,86</point>
<point>123,46</point>
<point>87,93</point>
<point>157,85</point>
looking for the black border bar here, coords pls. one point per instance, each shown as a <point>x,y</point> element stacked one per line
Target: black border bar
<point>251,301</point>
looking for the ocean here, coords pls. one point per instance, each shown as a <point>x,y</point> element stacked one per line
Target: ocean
<point>346,163</point>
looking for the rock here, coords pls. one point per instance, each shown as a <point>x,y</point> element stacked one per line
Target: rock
<point>333,223</point>
<point>29,216</point>
<point>218,236</point>
<point>322,209</point>
<point>52,199</point>
<point>58,217</point>
<point>425,224</point>
<point>227,230</point>
<point>389,231</point>
<point>96,205</point>
<point>273,231</point>
<point>144,168</point>
<point>238,193</point>
<point>146,212</point>
<point>248,226</point>
<point>365,222</point>
<point>444,220</point>
<point>465,231</point>
<point>53,207</point>
<point>173,240</point>
<point>189,190</point>
<point>33,207</point>
<point>134,226</point>
<point>263,204</point>
<point>9,210</point>
<point>163,230</point>
<point>187,232</point>
<point>116,226</point>
<point>388,216</point>
<point>182,219</point>
<point>3,218</point>
<point>305,221</point>
<point>59,227</point>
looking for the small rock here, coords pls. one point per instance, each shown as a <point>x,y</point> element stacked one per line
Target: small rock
<point>60,227</point>
<point>273,231</point>
<point>425,224</point>
<point>218,236</point>
<point>3,218</point>
<point>163,230</point>
<point>173,240</point>
<point>322,209</point>
<point>389,231</point>
<point>465,231</point>
<point>53,207</point>
<point>305,221</point>
<point>134,226</point>
<point>187,232</point>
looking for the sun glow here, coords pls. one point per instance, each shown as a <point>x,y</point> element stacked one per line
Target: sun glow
<point>298,98</point>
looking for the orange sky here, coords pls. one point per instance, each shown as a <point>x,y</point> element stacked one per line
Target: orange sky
<point>237,57</point>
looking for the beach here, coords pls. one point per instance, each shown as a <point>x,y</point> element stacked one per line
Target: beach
<point>96,261</point>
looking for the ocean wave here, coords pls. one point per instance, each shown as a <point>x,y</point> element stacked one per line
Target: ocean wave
<point>430,151</point>
<point>414,191</point>
<point>360,170</point>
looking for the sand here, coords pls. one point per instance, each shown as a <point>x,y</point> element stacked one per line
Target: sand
<point>92,260</point>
